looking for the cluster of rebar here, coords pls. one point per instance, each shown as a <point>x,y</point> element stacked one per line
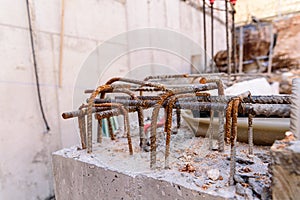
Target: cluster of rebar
<point>192,96</point>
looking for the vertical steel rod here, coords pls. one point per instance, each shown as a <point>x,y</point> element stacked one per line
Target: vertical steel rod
<point>295,108</point>
<point>204,32</point>
<point>227,41</point>
<point>211,129</point>
<point>110,129</point>
<point>250,133</point>
<point>82,130</point>
<point>233,40</point>
<point>233,138</point>
<point>271,50</point>
<point>212,35</point>
<point>99,131</point>
<point>241,51</point>
<point>178,117</point>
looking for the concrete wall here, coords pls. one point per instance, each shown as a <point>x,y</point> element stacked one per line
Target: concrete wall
<point>25,146</point>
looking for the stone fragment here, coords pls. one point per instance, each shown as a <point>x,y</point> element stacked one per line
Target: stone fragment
<point>213,174</point>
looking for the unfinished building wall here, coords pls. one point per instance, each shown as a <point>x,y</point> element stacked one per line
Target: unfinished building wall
<point>26,146</point>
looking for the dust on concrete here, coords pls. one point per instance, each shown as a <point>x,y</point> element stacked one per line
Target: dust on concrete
<point>210,169</point>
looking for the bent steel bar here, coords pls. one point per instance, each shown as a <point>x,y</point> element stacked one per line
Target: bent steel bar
<point>126,121</point>
<point>233,138</point>
<point>279,110</point>
<point>76,113</point>
<point>164,77</point>
<point>164,97</point>
<point>154,127</point>
<point>137,82</point>
<point>229,110</point>
<point>82,128</point>
<point>139,112</point>
<point>268,99</point>
<point>221,94</point>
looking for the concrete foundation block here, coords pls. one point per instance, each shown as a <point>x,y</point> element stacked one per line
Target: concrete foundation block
<point>89,178</point>
<point>286,170</point>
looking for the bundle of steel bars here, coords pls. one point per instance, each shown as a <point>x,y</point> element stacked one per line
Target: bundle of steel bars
<point>191,95</point>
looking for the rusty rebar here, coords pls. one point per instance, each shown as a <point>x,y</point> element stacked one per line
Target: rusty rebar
<point>221,131</point>
<point>154,126</point>
<point>295,106</point>
<point>137,82</point>
<point>108,119</point>
<point>99,130</point>
<point>126,121</point>
<point>212,35</point>
<point>235,102</point>
<point>89,115</point>
<point>168,109</point>
<point>127,129</point>
<point>138,108</point>
<point>156,86</point>
<point>110,128</point>
<point>183,76</point>
<point>195,88</point>
<point>279,110</point>
<point>162,77</point>
<point>204,37</point>
<point>168,125</point>
<point>211,129</point>
<point>109,113</point>
<point>227,41</point>
<point>113,112</point>
<point>271,99</point>
<point>233,138</point>
<point>164,96</point>
<point>229,113</point>
<point>233,39</point>
<point>140,114</point>
<point>250,133</point>
<point>228,121</point>
<point>221,95</point>
<point>190,98</point>
<point>142,134</point>
<point>82,128</point>
<point>129,102</point>
<point>267,110</point>
<point>178,117</point>
<point>76,113</point>
<point>147,97</point>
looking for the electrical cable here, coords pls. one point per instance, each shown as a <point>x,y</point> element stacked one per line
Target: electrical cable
<point>35,68</point>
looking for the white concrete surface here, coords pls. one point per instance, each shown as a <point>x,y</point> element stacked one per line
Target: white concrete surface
<point>79,175</point>
<point>25,169</point>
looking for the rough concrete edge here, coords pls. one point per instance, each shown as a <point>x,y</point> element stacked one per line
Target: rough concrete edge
<point>137,176</point>
<point>285,167</point>
<point>287,157</point>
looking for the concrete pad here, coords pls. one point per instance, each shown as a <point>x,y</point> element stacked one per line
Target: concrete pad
<point>109,172</point>
<point>79,176</point>
<point>286,170</point>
